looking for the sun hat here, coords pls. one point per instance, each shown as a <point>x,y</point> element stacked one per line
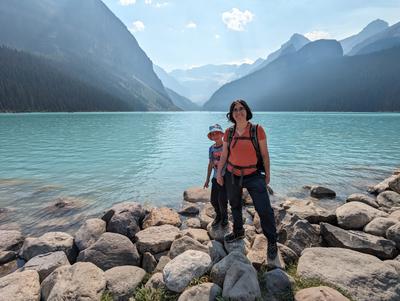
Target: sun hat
<point>214,128</point>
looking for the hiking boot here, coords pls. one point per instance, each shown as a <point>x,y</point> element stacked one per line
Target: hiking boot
<point>272,250</point>
<point>224,222</point>
<point>233,236</point>
<point>215,222</point>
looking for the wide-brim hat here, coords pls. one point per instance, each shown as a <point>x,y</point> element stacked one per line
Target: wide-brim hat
<point>214,128</point>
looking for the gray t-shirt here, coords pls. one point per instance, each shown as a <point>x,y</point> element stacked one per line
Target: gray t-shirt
<point>214,154</point>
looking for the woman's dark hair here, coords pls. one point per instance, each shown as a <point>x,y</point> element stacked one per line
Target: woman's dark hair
<point>249,114</point>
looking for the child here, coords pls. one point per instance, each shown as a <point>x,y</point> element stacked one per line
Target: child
<point>218,192</point>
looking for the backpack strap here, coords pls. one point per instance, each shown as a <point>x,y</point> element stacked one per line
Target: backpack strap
<point>232,130</point>
<point>254,140</point>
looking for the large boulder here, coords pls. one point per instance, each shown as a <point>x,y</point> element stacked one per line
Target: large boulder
<point>241,283</point>
<point>192,222</point>
<point>278,285</point>
<point>122,281</point>
<point>81,281</point>
<point>89,233</point>
<point>379,225</point>
<point>200,235</point>
<point>189,209</point>
<point>391,183</point>
<point>363,276</point>
<point>125,218</point>
<point>47,243</point>
<point>185,243</point>
<point>320,192</point>
<point>362,198</point>
<point>308,210</point>
<point>358,241</point>
<point>22,286</point>
<point>258,252</point>
<point>395,215</point>
<point>111,250</point>
<point>393,233</point>
<point>201,292</point>
<point>320,293</point>
<point>216,251</point>
<point>11,240</point>
<point>289,256</point>
<point>197,195</point>
<point>389,200</point>
<point>45,264</point>
<point>161,216</point>
<point>220,269</point>
<point>156,239</point>
<point>356,215</point>
<point>182,269</point>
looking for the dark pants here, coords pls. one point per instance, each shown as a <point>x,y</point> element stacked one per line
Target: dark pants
<point>219,200</point>
<point>257,189</point>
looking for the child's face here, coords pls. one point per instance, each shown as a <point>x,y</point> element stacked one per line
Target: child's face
<point>216,136</point>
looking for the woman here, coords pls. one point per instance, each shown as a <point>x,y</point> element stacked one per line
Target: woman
<point>240,154</point>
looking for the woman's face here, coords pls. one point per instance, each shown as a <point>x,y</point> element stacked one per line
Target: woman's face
<point>239,113</point>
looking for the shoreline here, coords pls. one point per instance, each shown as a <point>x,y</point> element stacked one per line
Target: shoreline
<point>177,253</point>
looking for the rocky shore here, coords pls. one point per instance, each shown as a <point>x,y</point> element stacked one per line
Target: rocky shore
<point>133,252</point>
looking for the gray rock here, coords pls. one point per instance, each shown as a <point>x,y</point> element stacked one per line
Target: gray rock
<point>156,239</point>
<point>22,286</point>
<point>241,245</point>
<point>363,276</point>
<point>201,292</point>
<point>288,255</point>
<point>216,251</point>
<point>192,223</point>
<point>185,243</point>
<point>8,268</point>
<point>220,269</point>
<point>125,218</point>
<point>200,235</point>
<point>241,283</point>
<point>156,281</point>
<point>390,183</point>
<point>356,215</point>
<point>161,216</point>
<point>47,243</point>
<point>308,210</point>
<point>388,199</point>
<point>394,264</point>
<point>162,263</point>
<point>278,285</point>
<point>320,192</point>
<point>111,250</point>
<point>81,281</point>
<point>258,252</point>
<point>197,195</point>
<point>358,241</point>
<point>45,264</point>
<point>89,233</point>
<point>362,198</point>
<point>320,293</point>
<point>7,256</point>
<point>379,225</point>
<point>11,240</point>
<point>149,263</point>
<point>182,269</point>
<point>189,210</point>
<point>395,215</point>
<point>393,233</point>
<point>122,281</point>
<point>250,232</point>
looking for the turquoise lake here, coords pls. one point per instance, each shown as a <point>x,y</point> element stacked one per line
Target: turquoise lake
<point>98,159</point>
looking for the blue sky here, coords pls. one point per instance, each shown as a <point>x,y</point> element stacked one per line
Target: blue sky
<point>186,33</point>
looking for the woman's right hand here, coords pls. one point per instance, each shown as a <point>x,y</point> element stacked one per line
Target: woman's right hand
<point>220,180</point>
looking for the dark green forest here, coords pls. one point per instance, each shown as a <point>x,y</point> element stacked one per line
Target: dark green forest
<point>30,83</point>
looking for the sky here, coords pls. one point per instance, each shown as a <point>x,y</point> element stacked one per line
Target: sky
<point>181,34</point>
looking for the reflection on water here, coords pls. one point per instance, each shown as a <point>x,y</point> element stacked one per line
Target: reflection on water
<point>97,159</point>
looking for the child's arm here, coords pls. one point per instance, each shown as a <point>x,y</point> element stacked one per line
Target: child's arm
<point>209,170</point>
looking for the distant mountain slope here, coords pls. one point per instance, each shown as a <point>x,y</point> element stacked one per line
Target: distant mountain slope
<point>370,30</point>
<point>319,78</point>
<point>170,82</point>
<point>386,39</point>
<point>22,90</point>
<point>182,102</point>
<point>296,42</point>
<point>91,43</point>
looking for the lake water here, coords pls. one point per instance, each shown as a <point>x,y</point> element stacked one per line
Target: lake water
<point>97,159</point>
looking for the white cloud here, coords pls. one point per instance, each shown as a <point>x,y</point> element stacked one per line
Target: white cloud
<point>161,4</point>
<point>147,2</point>
<point>217,36</point>
<point>137,26</point>
<point>317,35</point>
<point>191,25</point>
<point>126,2</point>
<point>236,19</point>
